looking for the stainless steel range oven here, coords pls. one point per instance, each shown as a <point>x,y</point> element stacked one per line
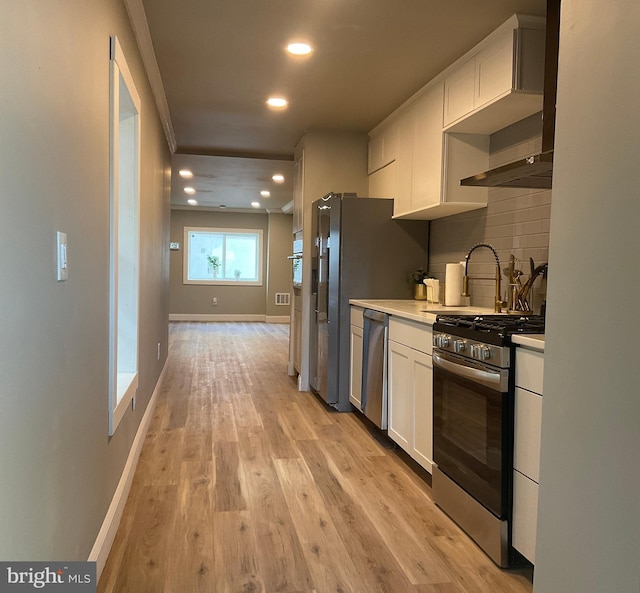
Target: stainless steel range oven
<point>473,398</point>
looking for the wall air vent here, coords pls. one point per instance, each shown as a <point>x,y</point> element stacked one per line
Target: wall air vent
<point>283,298</point>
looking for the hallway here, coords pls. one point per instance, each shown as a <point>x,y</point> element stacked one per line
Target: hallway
<point>245,484</point>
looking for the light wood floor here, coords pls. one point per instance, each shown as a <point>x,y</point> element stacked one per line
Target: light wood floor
<point>245,485</point>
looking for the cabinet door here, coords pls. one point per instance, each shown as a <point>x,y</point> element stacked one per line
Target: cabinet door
<point>528,422</point>
<point>427,152</point>
<point>459,91</point>
<point>382,149</point>
<point>400,394</point>
<point>494,69</point>
<point>422,450</point>
<point>525,516</point>
<point>297,340</point>
<point>355,366</point>
<point>383,183</point>
<point>298,184</point>
<point>404,162</point>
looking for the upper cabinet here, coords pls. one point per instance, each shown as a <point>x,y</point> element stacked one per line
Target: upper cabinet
<point>440,135</point>
<point>298,185</point>
<point>382,149</point>
<point>500,82</point>
<point>429,163</point>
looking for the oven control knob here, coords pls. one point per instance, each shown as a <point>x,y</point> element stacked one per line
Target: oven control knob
<point>441,340</point>
<point>459,346</point>
<point>484,353</point>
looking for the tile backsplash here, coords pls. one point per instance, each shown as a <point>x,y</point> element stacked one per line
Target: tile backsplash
<point>515,221</point>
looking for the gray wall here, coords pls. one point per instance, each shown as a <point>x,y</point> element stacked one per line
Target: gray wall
<point>515,221</point>
<point>589,508</point>
<point>279,267</point>
<point>59,468</point>
<point>190,299</point>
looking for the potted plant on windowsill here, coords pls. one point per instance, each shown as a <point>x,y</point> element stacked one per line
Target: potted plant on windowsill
<point>416,278</point>
<point>214,262</point>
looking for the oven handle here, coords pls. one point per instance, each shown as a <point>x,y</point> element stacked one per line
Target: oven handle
<point>491,379</point>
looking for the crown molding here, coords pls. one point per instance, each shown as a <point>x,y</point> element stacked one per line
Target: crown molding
<point>138,19</point>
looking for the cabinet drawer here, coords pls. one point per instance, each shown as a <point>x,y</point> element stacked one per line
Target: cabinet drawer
<point>415,335</point>
<point>528,421</point>
<point>356,316</point>
<point>525,515</point>
<point>529,369</point>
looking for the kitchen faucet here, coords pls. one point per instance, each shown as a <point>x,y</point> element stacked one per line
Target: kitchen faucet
<point>498,303</point>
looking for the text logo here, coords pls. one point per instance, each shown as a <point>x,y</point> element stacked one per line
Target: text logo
<point>63,577</point>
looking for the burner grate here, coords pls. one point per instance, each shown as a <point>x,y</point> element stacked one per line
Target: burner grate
<point>498,325</point>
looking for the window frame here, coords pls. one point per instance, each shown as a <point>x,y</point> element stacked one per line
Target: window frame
<point>124,280</point>
<point>224,281</point>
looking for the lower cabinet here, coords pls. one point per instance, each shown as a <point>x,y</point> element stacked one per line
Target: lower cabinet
<point>526,450</point>
<point>410,396</point>
<point>355,362</point>
<point>297,330</point>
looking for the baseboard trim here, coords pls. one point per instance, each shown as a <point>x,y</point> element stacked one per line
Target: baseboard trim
<point>229,317</point>
<point>277,318</point>
<point>102,546</point>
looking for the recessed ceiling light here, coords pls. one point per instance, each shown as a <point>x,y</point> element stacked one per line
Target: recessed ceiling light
<point>255,204</point>
<point>189,190</point>
<point>185,173</point>
<point>277,102</point>
<point>299,49</point>
<point>278,178</point>
<point>265,194</point>
<point>192,202</point>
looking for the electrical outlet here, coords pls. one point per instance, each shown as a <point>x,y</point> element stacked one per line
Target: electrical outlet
<point>214,302</point>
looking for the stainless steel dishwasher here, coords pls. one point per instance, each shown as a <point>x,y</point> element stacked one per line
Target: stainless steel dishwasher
<point>374,367</point>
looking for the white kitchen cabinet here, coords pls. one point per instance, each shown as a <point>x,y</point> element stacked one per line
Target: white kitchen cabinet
<point>382,148</point>
<point>298,184</point>
<point>500,82</point>
<point>429,164</point>
<point>355,357</point>
<point>526,452</point>
<point>459,90</point>
<point>427,149</point>
<point>410,395</point>
<point>297,330</point>
<point>383,182</point>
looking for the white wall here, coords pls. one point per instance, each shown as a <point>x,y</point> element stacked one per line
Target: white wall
<point>589,511</point>
<point>58,468</point>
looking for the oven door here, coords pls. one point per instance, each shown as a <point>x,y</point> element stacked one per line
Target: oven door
<point>472,437</point>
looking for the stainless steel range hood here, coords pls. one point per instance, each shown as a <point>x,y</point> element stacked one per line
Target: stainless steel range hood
<point>534,171</point>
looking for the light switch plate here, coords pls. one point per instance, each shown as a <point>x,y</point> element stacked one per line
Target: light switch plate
<point>61,246</point>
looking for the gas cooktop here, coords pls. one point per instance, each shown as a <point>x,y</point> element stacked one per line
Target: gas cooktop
<point>495,329</point>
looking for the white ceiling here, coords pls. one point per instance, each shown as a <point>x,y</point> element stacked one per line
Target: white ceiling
<point>220,59</point>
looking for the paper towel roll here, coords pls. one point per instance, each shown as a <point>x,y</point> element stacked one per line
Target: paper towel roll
<point>453,285</point>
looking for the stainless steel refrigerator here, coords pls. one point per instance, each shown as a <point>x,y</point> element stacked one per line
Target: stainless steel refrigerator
<point>359,252</point>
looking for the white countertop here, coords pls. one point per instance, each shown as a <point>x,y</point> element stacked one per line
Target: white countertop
<point>533,341</point>
<point>419,311</point>
<point>426,313</point>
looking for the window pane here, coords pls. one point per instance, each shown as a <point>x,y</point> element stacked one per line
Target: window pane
<point>241,257</point>
<point>222,256</point>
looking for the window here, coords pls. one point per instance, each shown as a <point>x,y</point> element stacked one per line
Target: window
<point>124,231</point>
<point>222,256</point>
